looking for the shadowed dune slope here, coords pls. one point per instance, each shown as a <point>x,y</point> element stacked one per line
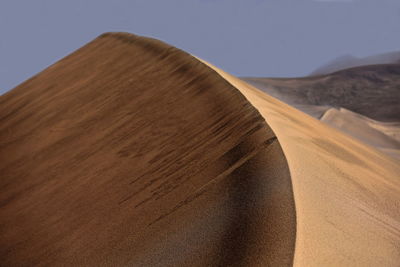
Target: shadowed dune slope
<point>130,152</point>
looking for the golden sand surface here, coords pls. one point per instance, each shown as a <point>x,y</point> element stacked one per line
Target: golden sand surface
<point>347,194</point>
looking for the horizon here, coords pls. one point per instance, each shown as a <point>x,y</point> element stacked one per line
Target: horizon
<point>258,38</point>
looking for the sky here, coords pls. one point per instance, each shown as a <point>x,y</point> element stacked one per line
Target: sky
<point>265,38</point>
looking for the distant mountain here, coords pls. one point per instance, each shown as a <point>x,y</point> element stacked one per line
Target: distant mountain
<point>373,91</point>
<point>349,61</point>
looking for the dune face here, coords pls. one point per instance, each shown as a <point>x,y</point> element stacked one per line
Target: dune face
<point>348,61</point>
<point>347,194</point>
<point>372,91</point>
<point>130,152</point>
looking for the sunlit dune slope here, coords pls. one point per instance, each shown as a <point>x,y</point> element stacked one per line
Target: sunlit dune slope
<point>347,194</point>
<point>130,152</point>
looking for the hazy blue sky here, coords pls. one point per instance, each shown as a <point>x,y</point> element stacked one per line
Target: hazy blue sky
<point>244,37</point>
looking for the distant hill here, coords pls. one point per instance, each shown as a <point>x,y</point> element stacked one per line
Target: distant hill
<point>373,91</point>
<point>349,61</point>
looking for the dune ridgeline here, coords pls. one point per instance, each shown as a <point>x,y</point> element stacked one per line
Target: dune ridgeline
<point>130,152</point>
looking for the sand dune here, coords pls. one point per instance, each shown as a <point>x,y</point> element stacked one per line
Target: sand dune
<point>391,129</point>
<point>383,136</point>
<point>130,152</point>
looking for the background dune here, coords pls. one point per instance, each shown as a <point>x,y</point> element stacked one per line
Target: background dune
<point>383,136</point>
<point>130,152</point>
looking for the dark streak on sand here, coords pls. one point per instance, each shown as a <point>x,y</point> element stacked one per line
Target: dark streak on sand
<point>130,152</point>
<point>239,161</point>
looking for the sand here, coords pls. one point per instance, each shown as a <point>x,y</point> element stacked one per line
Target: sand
<point>347,194</point>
